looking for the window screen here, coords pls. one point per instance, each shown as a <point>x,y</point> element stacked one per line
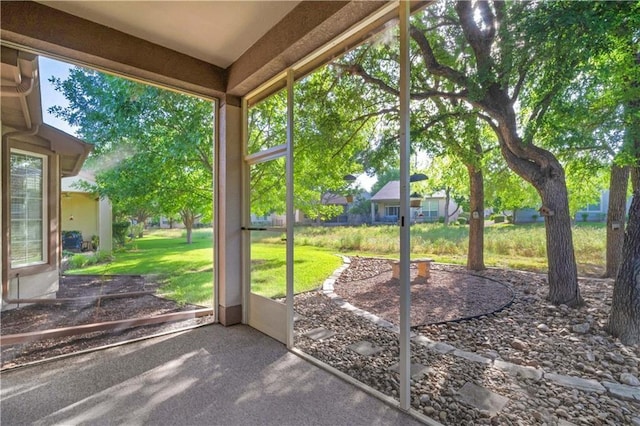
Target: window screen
<point>27,182</point>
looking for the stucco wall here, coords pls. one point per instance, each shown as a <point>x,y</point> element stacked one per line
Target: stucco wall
<point>39,286</point>
<point>83,208</point>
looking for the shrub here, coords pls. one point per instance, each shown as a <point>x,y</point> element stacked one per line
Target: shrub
<point>119,230</point>
<point>137,230</point>
<point>585,216</point>
<point>498,218</point>
<point>441,219</point>
<point>78,261</point>
<point>510,218</point>
<point>462,220</point>
<point>534,217</point>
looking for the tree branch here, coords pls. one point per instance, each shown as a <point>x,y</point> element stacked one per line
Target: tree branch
<point>479,40</point>
<point>432,64</point>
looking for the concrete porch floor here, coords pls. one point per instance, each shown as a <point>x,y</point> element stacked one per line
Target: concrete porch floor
<point>211,375</point>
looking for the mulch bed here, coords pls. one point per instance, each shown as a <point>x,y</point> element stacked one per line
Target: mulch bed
<point>48,316</point>
<point>367,284</point>
<point>444,296</point>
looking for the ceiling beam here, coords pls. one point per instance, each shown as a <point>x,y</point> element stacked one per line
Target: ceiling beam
<point>48,31</point>
<point>305,29</point>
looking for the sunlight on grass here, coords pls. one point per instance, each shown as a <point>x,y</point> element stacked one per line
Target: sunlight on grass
<point>185,271</point>
<point>186,275</point>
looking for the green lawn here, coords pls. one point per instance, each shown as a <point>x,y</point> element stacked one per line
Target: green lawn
<point>186,271</point>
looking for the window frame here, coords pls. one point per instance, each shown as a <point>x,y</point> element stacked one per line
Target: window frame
<point>389,207</point>
<point>427,206</point>
<point>44,248</point>
<point>50,210</point>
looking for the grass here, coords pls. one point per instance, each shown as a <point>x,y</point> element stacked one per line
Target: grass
<point>505,245</point>
<point>186,271</point>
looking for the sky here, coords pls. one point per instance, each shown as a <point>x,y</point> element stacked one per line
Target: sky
<point>50,97</point>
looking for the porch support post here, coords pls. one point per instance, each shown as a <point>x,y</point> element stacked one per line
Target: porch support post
<point>405,222</point>
<point>373,213</point>
<point>227,218</point>
<point>290,210</point>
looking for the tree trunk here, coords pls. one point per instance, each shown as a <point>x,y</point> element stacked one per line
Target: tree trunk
<point>541,168</point>
<point>447,198</point>
<point>188,218</point>
<point>563,274</point>
<point>624,320</point>
<point>616,213</point>
<point>475,257</point>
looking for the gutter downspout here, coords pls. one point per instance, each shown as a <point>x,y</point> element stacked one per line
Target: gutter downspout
<point>22,89</point>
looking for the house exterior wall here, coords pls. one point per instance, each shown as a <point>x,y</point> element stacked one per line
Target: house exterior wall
<point>592,214</point>
<point>83,208</point>
<point>39,281</point>
<point>91,215</point>
<point>589,213</point>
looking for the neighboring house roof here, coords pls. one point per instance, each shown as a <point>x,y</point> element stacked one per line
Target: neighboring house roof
<point>70,184</point>
<point>391,192</point>
<point>330,198</point>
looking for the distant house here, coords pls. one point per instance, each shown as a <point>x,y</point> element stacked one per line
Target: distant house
<point>85,212</point>
<point>596,212</point>
<point>385,205</point>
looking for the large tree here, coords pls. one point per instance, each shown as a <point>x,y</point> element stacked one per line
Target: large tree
<point>624,321</point>
<point>153,148</point>
<point>509,61</point>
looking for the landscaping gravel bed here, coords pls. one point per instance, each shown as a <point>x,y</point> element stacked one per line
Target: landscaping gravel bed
<point>536,363</point>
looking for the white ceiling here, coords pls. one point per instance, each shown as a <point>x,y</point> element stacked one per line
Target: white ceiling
<point>218,32</point>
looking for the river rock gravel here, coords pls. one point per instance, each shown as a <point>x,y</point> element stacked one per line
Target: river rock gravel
<point>531,353</point>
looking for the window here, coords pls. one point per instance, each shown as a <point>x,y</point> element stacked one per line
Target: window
<point>593,208</point>
<point>430,209</point>
<point>28,209</point>
<point>392,211</point>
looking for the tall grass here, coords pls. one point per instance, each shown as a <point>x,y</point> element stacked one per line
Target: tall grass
<point>516,246</point>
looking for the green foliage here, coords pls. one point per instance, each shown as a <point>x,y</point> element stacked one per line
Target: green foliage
<point>137,230</point>
<point>119,230</point>
<point>153,147</point>
<point>79,261</point>
<point>498,218</point>
<point>331,130</point>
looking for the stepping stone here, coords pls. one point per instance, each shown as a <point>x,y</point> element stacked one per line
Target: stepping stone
<point>518,370</point>
<point>587,385</point>
<point>482,399</point>
<point>416,370</point>
<point>472,356</point>
<point>628,393</point>
<point>365,348</point>
<point>319,333</point>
